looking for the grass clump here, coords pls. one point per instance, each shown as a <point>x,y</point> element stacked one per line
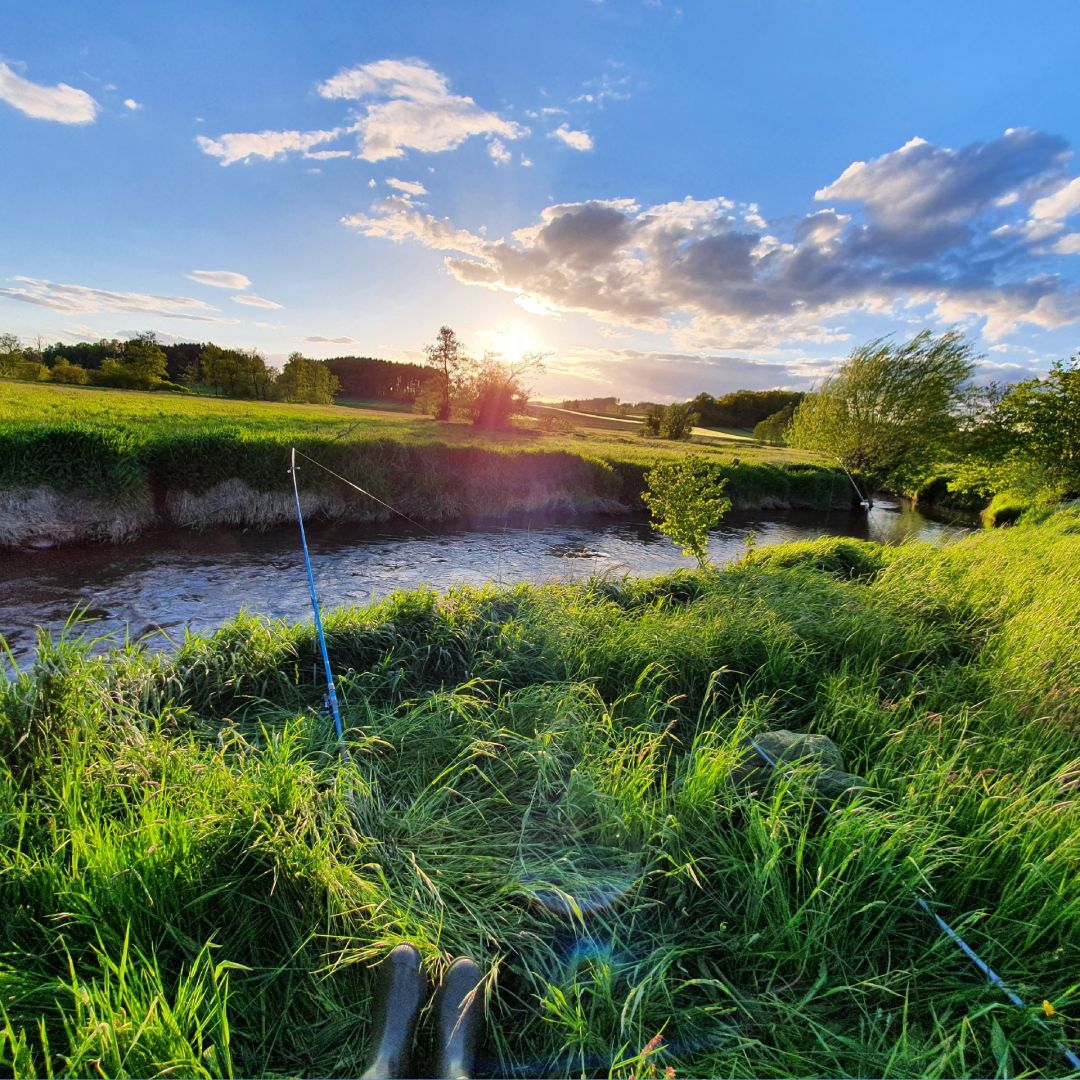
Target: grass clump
<point>545,778</point>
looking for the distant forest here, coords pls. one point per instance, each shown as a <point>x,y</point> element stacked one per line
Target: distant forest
<point>741,409</point>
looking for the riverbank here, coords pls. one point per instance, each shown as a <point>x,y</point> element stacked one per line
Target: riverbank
<point>80,465</point>
<point>545,778</point>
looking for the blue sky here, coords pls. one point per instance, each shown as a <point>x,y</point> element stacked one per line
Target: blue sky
<point>665,197</point>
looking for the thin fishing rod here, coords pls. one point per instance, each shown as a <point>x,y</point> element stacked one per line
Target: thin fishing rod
<point>863,500</point>
<point>993,977</point>
<point>331,693</point>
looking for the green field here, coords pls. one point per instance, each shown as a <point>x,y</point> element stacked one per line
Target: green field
<point>191,884</point>
<point>143,455</point>
<point>147,416</point>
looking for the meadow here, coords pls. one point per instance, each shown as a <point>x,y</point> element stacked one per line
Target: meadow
<point>193,883</point>
<point>152,457</point>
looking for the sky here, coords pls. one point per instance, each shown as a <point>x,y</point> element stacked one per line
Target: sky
<point>664,198</point>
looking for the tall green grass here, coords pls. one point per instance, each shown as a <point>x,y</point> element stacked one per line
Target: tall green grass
<point>544,778</point>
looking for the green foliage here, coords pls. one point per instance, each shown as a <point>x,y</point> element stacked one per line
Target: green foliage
<point>1026,439</point>
<point>674,422</point>
<point>773,429</point>
<point>744,408</point>
<point>306,380</point>
<point>236,373</point>
<point>686,502</point>
<point>492,391</point>
<point>890,412</point>
<point>63,371</point>
<point>448,360</point>
<point>543,778</point>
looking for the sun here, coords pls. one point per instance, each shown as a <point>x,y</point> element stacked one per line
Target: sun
<point>512,342</point>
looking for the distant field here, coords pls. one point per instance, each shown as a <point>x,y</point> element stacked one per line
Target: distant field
<point>629,424</point>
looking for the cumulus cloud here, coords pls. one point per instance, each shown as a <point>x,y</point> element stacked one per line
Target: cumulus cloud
<point>250,300</point>
<point>82,299</point>
<point>922,227</point>
<point>61,103</point>
<point>410,187</point>
<point>220,279</point>
<point>576,140</point>
<point>498,153</point>
<point>132,104</point>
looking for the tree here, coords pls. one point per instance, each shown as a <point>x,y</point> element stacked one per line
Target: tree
<point>674,422</point>
<point>686,501</point>
<point>492,391</point>
<point>773,428</point>
<point>63,371</point>
<point>448,360</point>
<point>11,354</point>
<point>1026,438</point>
<point>236,372</point>
<point>145,361</point>
<point>304,379</point>
<point>891,411</point>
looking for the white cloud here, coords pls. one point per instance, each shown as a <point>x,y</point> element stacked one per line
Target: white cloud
<point>62,103</point>
<point>1068,245</point>
<point>576,140</point>
<point>411,108</point>
<point>132,104</point>
<point>526,163</point>
<point>333,340</point>
<point>410,187</point>
<point>246,146</point>
<point>250,300</point>
<point>82,299</point>
<point>921,233</point>
<point>407,105</point>
<point>220,279</point>
<point>1060,204</point>
<point>327,155</point>
<point>498,153</point>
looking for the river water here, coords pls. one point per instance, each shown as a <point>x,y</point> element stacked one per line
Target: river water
<point>165,583</point>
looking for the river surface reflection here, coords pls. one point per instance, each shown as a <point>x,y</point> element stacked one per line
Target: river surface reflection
<point>165,583</point>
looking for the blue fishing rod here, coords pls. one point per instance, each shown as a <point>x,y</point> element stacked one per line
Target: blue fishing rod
<point>331,693</point>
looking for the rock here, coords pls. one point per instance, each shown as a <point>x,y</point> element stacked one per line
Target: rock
<point>835,785</point>
<point>774,752</point>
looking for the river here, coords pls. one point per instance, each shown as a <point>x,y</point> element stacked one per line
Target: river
<point>165,583</point>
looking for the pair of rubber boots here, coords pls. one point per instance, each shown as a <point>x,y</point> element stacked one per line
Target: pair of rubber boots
<point>402,991</point>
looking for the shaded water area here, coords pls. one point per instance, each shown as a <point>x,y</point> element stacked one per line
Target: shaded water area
<point>162,584</point>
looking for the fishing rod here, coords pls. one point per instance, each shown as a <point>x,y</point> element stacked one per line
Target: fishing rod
<point>331,692</point>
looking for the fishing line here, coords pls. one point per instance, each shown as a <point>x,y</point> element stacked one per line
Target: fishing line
<point>357,487</point>
<point>994,978</point>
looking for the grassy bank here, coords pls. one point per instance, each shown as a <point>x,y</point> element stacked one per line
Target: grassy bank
<point>543,778</point>
<point>129,461</point>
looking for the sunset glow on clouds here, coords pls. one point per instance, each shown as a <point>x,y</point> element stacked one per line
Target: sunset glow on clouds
<point>649,217</point>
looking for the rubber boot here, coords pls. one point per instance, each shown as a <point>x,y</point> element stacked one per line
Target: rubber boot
<point>402,989</point>
<point>457,1016</point>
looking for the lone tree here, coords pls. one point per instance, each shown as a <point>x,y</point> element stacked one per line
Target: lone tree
<point>494,389</point>
<point>448,359</point>
<point>891,410</point>
<point>686,501</point>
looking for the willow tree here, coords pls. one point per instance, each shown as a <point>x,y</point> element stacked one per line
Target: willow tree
<point>891,411</point>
